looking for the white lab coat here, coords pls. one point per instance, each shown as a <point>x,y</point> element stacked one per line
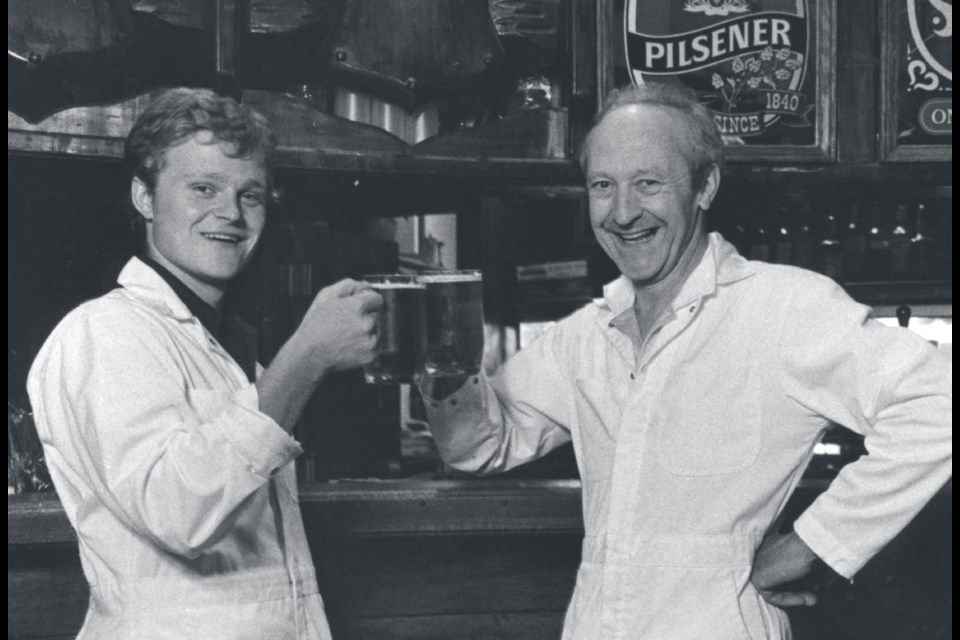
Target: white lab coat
<point>689,446</point>
<point>183,494</point>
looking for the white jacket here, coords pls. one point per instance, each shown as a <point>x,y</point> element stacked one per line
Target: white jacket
<point>183,494</point>
<point>689,447</point>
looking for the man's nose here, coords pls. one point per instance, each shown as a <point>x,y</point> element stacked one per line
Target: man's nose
<point>626,207</point>
<point>231,209</point>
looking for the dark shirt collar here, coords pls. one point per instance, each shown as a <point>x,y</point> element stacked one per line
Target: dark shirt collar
<point>209,316</point>
<point>226,326</point>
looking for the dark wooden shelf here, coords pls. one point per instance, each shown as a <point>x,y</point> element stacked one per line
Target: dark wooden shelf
<point>897,293</point>
<point>938,174</point>
<point>444,506</point>
<point>385,507</point>
<point>372,507</point>
<point>527,147</point>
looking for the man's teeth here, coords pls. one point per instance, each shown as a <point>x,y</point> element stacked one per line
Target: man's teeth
<point>221,238</point>
<point>638,235</point>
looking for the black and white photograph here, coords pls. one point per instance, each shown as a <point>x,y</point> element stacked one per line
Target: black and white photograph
<point>479,319</point>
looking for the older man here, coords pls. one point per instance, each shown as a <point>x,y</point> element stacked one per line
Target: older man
<point>169,446</point>
<point>694,393</point>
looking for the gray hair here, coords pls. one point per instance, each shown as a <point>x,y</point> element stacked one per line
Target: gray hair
<point>704,146</point>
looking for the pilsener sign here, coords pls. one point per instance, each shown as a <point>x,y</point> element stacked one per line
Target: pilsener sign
<point>746,60</point>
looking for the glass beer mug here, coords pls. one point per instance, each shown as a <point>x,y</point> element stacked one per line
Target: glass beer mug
<point>401,329</point>
<point>454,322</point>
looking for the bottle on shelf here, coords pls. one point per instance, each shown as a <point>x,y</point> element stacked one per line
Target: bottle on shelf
<point>742,235</point>
<point>782,238</point>
<point>928,257</point>
<point>854,245</point>
<point>899,264</point>
<point>877,266</point>
<point>758,240</point>
<point>944,241</point>
<point>736,234</point>
<point>830,259</point>
<point>804,239</point>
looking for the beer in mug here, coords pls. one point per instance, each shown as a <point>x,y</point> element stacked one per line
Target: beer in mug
<point>401,329</point>
<point>454,322</point>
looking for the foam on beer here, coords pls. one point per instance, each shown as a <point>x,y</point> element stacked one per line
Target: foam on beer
<point>398,285</point>
<point>450,277</point>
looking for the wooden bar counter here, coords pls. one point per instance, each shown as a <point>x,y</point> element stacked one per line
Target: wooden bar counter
<point>490,558</point>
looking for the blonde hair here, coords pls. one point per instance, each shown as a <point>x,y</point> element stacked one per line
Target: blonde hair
<point>176,114</point>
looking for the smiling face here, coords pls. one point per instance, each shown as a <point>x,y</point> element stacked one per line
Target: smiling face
<point>205,214</point>
<point>644,207</point>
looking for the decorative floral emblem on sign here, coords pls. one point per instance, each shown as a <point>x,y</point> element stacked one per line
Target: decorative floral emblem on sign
<point>716,7</point>
<point>931,25</point>
<point>929,64</point>
<point>769,70</point>
<point>746,61</point>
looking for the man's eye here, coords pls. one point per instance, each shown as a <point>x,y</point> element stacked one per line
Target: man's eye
<point>600,186</point>
<point>203,189</point>
<point>649,186</point>
<point>253,198</point>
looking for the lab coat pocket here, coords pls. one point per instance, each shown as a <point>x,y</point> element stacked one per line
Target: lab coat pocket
<point>709,420</point>
<point>762,620</point>
<point>679,603</point>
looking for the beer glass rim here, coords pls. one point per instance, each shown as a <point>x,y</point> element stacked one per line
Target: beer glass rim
<point>451,275</point>
<point>406,280</point>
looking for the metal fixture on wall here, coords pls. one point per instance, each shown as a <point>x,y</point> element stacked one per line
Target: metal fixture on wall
<point>413,51</point>
<point>411,127</point>
<point>61,54</point>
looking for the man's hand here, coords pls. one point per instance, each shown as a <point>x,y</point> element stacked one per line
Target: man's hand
<point>339,328</point>
<point>780,560</point>
<point>338,332</point>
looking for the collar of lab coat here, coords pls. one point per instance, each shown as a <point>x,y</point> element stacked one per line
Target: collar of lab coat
<point>147,285</point>
<point>720,265</point>
<point>237,337</point>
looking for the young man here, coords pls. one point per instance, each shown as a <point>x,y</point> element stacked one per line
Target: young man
<point>169,446</point>
<point>694,394</point>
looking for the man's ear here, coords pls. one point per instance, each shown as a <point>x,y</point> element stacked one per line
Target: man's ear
<point>142,198</point>
<point>711,184</point>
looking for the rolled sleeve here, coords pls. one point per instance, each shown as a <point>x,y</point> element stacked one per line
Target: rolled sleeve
<point>264,445</point>
<point>492,425</point>
<point>173,459</point>
<point>887,384</point>
<point>465,438</point>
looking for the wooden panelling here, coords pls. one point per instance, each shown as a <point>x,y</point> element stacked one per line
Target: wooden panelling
<point>390,576</point>
<point>384,576</point>
<point>46,591</point>
<point>857,68</point>
<point>488,626</point>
